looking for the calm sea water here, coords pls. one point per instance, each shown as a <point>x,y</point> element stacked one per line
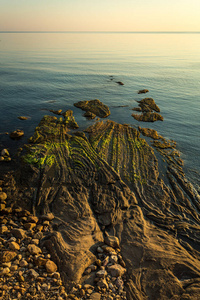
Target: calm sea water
<point>41,71</point>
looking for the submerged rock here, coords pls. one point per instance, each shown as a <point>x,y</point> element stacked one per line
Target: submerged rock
<point>120,83</point>
<point>94,106</point>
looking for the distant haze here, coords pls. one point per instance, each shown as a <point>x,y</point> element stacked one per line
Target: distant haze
<point>100,15</point>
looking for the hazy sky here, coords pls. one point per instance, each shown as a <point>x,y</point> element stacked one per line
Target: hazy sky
<point>100,15</point>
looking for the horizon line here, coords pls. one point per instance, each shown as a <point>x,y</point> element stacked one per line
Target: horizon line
<point>89,31</point>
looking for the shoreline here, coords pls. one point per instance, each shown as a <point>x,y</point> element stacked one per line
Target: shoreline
<point>112,210</point>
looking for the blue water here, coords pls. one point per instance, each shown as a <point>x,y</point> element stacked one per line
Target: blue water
<point>41,71</point>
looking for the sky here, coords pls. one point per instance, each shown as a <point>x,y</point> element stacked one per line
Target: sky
<point>99,15</point>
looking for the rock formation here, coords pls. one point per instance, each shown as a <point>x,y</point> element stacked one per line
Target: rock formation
<point>119,230</point>
<point>94,106</point>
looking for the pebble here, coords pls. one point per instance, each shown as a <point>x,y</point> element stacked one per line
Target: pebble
<point>33,249</point>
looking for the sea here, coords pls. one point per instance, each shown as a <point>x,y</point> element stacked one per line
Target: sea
<point>40,71</point>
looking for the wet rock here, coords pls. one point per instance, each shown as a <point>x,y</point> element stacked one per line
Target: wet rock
<point>149,132</point>
<point>16,134</point>
<point>148,117</point>
<point>89,115</point>
<point>22,118</point>
<point>56,112</point>
<point>144,91</point>
<point>150,103</point>
<point>137,109</point>
<point>94,106</point>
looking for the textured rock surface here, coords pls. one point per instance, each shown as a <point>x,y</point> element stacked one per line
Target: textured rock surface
<point>109,185</point>
<point>94,106</point>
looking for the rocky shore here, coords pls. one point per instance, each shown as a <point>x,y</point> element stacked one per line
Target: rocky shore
<point>87,215</point>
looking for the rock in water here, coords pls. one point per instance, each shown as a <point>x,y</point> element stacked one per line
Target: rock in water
<point>150,103</point>
<point>16,134</point>
<point>22,118</point>
<point>148,117</point>
<point>144,91</point>
<point>149,132</point>
<point>94,106</point>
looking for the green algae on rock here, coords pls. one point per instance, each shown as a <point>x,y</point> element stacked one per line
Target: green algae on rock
<point>148,117</point>
<point>89,115</point>
<point>149,133</point>
<point>94,106</point>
